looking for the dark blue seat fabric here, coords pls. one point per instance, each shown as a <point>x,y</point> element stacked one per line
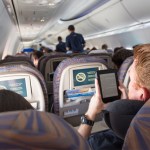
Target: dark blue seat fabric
<point>38,130</point>
<point>138,135</point>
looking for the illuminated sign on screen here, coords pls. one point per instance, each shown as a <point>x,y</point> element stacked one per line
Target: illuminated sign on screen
<point>15,85</point>
<point>84,76</point>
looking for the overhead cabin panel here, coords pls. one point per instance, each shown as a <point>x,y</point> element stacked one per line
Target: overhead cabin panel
<point>139,9</point>
<point>111,18</point>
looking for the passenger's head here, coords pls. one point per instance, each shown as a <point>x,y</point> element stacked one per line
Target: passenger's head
<point>119,57</point>
<point>59,39</point>
<point>117,49</point>
<point>46,50</point>
<point>104,46</point>
<point>10,101</point>
<point>94,48</point>
<point>139,86</point>
<point>71,28</point>
<point>40,45</point>
<point>36,56</point>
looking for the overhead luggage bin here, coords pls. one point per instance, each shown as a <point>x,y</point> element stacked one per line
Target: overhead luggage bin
<point>26,81</point>
<point>73,86</point>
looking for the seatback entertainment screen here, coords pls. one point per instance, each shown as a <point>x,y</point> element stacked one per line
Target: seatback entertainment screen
<point>55,64</point>
<point>83,77</point>
<point>17,84</point>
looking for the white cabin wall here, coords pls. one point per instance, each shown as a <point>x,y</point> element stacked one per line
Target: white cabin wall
<point>9,37</point>
<point>127,39</point>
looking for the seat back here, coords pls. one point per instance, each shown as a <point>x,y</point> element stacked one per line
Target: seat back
<point>106,56</point>
<point>73,86</point>
<point>123,73</point>
<point>49,65</point>
<point>38,130</point>
<point>17,60</point>
<point>139,130</point>
<point>40,63</point>
<point>26,81</point>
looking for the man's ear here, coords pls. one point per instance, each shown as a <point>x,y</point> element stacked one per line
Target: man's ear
<point>144,93</point>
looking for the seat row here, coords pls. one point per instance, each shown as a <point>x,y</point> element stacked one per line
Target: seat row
<point>69,84</point>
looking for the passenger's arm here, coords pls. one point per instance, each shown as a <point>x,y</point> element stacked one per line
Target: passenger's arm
<point>83,41</point>
<point>68,47</point>
<point>95,106</point>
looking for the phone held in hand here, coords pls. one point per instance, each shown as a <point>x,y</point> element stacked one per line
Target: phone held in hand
<point>108,82</point>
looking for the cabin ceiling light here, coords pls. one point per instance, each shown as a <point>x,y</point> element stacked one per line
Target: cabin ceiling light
<point>60,22</point>
<point>43,19</point>
<point>43,2</point>
<point>51,4</point>
<point>28,1</point>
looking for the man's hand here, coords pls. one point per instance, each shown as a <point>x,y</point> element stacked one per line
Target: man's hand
<point>96,105</point>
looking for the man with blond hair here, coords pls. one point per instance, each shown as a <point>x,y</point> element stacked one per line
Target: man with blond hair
<point>139,87</point>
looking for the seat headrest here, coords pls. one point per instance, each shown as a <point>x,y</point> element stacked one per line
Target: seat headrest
<point>120,113</point>
<point>124,68</point>
<point>139,130</point>
<point>38,130</point>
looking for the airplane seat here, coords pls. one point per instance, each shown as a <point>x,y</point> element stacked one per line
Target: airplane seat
<point>26,81</point>
<point>17,60</point>
<point>73,86</point>
<point>123,73</point>
<point>106,56</point>
<point>49,65</point>
<point>77,54</point>
<point>38,130</point>
<point>118,116</point>
<point>139,130</point>
<point>22,54</point>
<point>40,63</point>
<point>120,56</point>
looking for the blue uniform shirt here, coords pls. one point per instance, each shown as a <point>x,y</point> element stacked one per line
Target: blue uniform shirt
<point>75,42</point>
<point>61,47</point>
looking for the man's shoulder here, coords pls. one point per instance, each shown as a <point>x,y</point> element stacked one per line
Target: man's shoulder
<point>79,34</point>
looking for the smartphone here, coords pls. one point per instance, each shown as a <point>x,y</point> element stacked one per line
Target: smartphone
<point>108,82</point>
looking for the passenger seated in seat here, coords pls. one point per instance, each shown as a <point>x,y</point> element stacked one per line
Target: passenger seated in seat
<point>10,101</point>
<point>105,47</point>
<point>139,87</point>
<point>120,56</point>
<point>36,55</point>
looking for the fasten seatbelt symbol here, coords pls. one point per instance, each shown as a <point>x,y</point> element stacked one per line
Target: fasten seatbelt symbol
<point>81,77</point>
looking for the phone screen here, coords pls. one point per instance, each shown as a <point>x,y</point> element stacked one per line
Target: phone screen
<point>108,85</point>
